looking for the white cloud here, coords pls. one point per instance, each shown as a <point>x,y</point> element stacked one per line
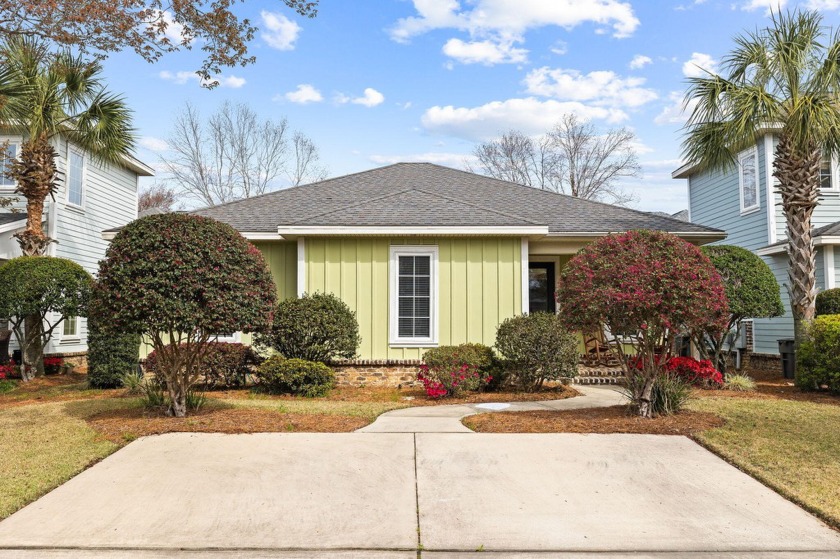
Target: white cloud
<point>371,98</point>
<point>456,160</point>
<point>153,144</point>
<point>601,87</point>
<point>560,48</point>
<point>280,32</point>
<point>182,77</point>
<point>823,5</point>
<point>767,5</point>
<point>675,112</point>
<point>174,31</point>
<point>304,94</point>
<point>529,115</point>
<point>640,61</point>
<point>698,65</point>
<point>484,52</point>
<point>514,17</point>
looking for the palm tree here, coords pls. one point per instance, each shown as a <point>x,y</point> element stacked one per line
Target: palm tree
<point>784,78</point>
<point>56,94</point>
<point>45,95</point>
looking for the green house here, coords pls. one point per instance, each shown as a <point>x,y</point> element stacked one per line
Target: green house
<point>427,255</point>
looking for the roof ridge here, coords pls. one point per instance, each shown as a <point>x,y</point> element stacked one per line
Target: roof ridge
<point>367,201</point>
<point>466,203</point>
<point>295,187</point>
<point>583,200</point>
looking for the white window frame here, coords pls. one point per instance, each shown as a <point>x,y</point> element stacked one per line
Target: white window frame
<point>12,142</point>
<point>70,152</point>
<point>752,152</point>
<point>234,338</point>
<point>74,337</point>
<point>835,183</point>
<point>394,272</point>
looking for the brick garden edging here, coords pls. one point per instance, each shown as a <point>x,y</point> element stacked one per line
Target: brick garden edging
<point>376,372</point>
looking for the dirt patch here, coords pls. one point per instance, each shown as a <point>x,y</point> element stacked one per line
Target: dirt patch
<point>412,396</point>
<point>774,389</point>
<point>122,425</point>
<point>614,419</point>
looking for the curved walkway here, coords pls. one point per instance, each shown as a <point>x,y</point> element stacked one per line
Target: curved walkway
<point>447,419</point>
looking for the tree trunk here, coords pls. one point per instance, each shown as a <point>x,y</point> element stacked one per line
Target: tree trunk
<point>645,407</point>
<point>32,351</point>
<point>35,171</point>
<point>798,173</point>
<point>177,398</point>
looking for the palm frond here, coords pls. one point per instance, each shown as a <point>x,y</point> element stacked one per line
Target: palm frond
<point>104,128</point>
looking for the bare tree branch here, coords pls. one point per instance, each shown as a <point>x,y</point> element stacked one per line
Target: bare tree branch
<point>236,155</point>
<point>571,159</point>
<point>159,195</point>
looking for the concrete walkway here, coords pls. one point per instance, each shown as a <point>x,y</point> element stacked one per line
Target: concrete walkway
<point>447,419</point>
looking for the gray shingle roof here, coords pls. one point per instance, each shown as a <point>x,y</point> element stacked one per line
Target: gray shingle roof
<point>431,195</point>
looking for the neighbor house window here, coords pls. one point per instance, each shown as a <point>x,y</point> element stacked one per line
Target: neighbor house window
<point>75,178</point>
<point>414,295</point>
<point>5,162</point>
<point>748,178</point>
<point>828,180</point>
<point>71,327</point>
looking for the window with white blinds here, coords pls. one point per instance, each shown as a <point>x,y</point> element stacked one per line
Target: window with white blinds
<point>414,295</point>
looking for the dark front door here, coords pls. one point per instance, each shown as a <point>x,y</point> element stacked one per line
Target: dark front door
<point>541,287</point>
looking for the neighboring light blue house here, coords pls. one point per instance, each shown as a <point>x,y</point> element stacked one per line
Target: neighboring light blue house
<point>736,200</point>
<point>91,197</point>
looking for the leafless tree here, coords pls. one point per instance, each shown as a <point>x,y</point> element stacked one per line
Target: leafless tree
<point>572,158</point>
<point>159,195</point>
<point>235,154</point>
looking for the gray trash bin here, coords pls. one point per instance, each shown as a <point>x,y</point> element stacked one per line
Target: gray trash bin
<point>787,349</point>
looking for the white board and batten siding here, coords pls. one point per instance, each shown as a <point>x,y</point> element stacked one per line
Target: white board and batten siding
<point>109,200</point>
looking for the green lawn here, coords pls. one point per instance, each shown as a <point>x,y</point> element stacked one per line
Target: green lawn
<point>791,446</point>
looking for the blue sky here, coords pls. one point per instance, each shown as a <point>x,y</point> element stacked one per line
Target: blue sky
<point>378,81</point>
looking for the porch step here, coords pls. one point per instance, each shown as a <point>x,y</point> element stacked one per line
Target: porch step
<point>600,379</point>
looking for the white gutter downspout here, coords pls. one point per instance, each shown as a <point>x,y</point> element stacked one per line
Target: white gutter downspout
<point>769,154</point>
<point>525,290</point>
<point>828,261</point>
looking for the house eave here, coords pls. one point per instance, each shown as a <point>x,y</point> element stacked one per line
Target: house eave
<point>781,248</point>
<point>411,231</point>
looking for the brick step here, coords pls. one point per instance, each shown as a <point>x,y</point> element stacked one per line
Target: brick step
<point>600,372</point>
<point>599,380</point>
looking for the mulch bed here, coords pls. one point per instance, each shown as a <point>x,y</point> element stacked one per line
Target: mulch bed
<point>614,419</point>
<point>122,425</point>
<point>775,389</point>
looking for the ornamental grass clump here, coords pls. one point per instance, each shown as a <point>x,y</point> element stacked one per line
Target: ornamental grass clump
<point>180,280</point>
<point>644,288</point>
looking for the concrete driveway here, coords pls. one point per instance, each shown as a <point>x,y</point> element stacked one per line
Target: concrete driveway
<point>384,496</point>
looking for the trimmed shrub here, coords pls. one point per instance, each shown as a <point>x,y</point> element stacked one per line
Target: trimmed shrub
<point>277,375</point>
<point>818,356</point>
<point>223,365</point>
<point>537,348</point>
<point>111,355</point>
<point>828,302</point>
<point>453,370</point>
<point>180,280</point>
<point>315,327</point>
<point>648,286</point>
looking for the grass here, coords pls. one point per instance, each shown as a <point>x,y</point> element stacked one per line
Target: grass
<point>791,446</point>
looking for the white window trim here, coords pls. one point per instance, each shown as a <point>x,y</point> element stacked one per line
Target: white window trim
<point>69,338</point>
<point>13,141</point>
<point>835,183</point>
<point>413,250</point>
<point>81,205</point>
<point>235,338</point>
<point>752,152</point>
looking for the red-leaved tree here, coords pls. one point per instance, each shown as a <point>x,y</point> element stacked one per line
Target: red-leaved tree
<point>181,280</point>
<point>645,288</point>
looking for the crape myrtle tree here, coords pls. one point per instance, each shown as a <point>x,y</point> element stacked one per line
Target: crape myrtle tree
<point>751,292</point>
<point>645,287</point>
<point>181,280</point>
<point>47,288</point>
<point>785,77</point>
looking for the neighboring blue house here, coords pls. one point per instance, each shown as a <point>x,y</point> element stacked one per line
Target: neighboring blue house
<point>736,200</point>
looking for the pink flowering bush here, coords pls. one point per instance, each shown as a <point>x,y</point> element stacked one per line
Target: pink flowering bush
<point>453,381</point>
<point>645,287</point>
<point>696,372</point>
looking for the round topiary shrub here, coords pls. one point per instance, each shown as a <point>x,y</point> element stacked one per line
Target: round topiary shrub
<point>647,287</point>
<point>828,302</point>
<point>537,347</point>
<point>33,291</point>
<point>110,354</point>
<point>180,280</point>
<point>277,375</point>
<point>317,327</point>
